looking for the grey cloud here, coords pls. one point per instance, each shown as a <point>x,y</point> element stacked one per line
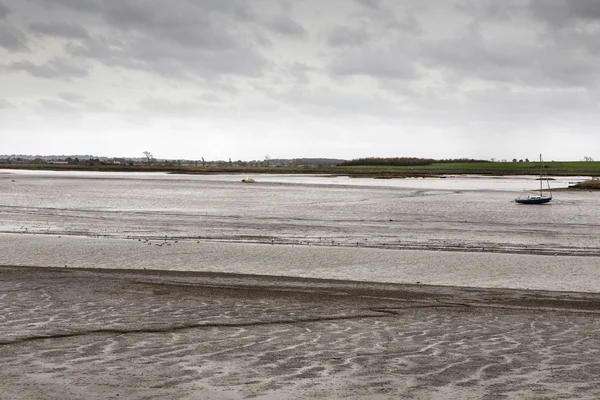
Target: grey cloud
<point>189,24</point>
<point>5,104</point>
<point>158,106</point>
<point>206,24</point>
<point>373,4</point>
<point>183,39</point>
<point>557,14</point>
<point>154,15</point>
<point>201,36</point>
<point>57,105</point>
<point>377,62</point>
<point>171,59</point>
<point>327,102</point>
<point>295,72</point>
<point>57,68</point>
<point>491,9</point>
<point>12,39</point>
<point>206,21</point>
<point>560,44</point>
<point>78,5</point>
<point>576,39</point>
<point>499,101</point>
<point>211,98</point>
<point>4,11</point>
<point>340,36</point>
<point>72,97</point>
<point>298,71</point>
<point>407,24</point>
<point>394,16</point>
<point>284,25</point>
<point>571,24</point>
<point>224,87</point>
<point>123,12</point>
<point>562,12</point>
<point>287,5</point>
<point>96,106</point>
<point>525,64</point>
<point>575,70</point>
<point>60,29</point>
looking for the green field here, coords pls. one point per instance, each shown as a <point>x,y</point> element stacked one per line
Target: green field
<point>563,168</point>
<point>560,168</point>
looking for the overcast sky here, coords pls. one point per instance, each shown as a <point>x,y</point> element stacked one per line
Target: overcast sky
<point>243,79</point>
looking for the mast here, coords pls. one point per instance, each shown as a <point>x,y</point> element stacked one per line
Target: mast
<point>541,180</point>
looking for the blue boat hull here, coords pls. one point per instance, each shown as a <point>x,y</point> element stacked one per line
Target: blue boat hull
<point>534,201</point>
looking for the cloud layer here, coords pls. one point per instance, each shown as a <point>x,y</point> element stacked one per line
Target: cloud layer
<point>240,79</point>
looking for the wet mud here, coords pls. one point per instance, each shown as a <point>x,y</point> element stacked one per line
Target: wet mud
<point>99,334</point>
<point>148,286</point>
<point>313,212</point>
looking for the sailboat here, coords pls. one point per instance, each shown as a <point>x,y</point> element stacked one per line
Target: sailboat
<point>528,197</point>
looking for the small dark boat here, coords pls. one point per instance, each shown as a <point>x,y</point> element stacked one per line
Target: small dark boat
<point>533,199</point>
<point>541,198</point>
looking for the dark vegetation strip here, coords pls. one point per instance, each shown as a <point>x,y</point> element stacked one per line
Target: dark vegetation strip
<point>405,161</point>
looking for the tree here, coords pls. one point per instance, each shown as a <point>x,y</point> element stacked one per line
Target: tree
<point>267,160</point>
<point>148,156</point>
<point>587,158</point>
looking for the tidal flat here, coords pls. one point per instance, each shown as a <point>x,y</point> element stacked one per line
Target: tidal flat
<point>100,334</point>
<point>161,286</point>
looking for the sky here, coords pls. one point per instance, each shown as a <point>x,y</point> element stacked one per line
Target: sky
<point>249,79</point>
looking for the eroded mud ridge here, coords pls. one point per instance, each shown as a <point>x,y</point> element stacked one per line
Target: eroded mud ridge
<point>151,334</point>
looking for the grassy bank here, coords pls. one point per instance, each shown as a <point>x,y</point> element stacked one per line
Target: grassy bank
<point>587,185</point>
<point>559,168</point>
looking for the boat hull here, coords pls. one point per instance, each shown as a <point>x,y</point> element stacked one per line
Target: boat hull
<point>534,201</point>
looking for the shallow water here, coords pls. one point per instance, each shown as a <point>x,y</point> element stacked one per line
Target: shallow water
<point>475,217</point>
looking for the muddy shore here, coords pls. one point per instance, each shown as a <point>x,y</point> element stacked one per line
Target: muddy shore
<point>99,334</point>
<point>153,286</point>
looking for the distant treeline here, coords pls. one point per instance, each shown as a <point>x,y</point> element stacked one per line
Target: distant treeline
<point>305,161</point>
<point>405,161</point>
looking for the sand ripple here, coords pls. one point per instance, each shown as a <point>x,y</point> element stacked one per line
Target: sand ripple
<point>81,334</point>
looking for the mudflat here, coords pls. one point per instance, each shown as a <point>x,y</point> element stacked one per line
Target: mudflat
<point>295,287</point>
<point>100,334</point>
